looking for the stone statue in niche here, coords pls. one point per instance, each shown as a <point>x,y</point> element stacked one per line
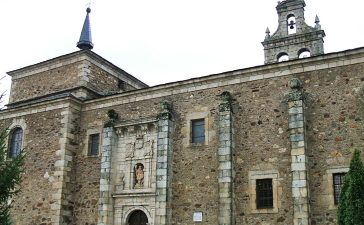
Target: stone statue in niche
<point>139,175</point>
<point>148,150</point>
<point>130,148</point>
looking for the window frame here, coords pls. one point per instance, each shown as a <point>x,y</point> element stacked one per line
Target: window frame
<point>340,185</point>
<point>328,184</point>
<point>196,136</point>
<point>90,144</point>
<point>187,130</point>
<point>276,194</point>
<point>262,191</point>
<point>18,142</point>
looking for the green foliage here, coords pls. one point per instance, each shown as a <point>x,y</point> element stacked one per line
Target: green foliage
<point>10,177</point>
<point>351,206</point>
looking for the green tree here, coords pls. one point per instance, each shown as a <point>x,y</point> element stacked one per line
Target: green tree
<point>351,205</point>
<point>10,175</point>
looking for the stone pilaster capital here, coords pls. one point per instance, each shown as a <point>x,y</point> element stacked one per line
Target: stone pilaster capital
<point>166,110</point>
<point>112,118</point>
<point>296,93</point>
<point>226,104</point>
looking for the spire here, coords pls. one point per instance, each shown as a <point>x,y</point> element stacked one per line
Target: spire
<point>267,33</point>
<point>317,22</point>
<point>85,41</point>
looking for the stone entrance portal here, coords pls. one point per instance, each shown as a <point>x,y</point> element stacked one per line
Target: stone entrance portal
<point>138,217</point>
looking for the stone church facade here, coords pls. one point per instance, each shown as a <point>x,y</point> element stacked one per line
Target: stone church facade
<point>262,145</point>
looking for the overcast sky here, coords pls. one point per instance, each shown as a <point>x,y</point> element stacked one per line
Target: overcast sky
<point>160,41</point>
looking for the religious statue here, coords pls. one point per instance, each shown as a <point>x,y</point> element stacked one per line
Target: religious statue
<point>139,175</point>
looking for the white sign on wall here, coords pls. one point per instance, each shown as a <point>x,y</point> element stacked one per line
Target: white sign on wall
<point>197,217</point>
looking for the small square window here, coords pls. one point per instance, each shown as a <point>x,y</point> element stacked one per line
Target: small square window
<point>93,149</point>
<point>338,182</point>
<point>198,131</point>
<point>264,197</point>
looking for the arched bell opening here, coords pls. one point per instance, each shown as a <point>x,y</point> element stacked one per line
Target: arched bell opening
<point>291,24</point>
<point>282,57</point>
<point>304,53</point>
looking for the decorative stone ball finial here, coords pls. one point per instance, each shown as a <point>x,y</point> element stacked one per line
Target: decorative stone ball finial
<point>295,84</point>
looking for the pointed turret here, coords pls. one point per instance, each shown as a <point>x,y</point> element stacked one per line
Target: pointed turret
<point>317,22</point>
<point>85,41</point>
<point>267,33</point>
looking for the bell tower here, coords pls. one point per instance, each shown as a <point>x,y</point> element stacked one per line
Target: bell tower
<point>294,38</point>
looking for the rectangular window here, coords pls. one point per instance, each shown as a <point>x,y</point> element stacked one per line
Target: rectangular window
<point>93,144</point>
<point>198,131</point>
<point>264,196</point>
<point>338,182</point>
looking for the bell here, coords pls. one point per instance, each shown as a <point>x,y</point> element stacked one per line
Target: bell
<point>291,26</point>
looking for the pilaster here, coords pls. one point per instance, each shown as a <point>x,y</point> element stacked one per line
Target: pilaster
<point>299,165</point>
<point>225,151</point>
<point>164,166</point>
<point>106,188</point>
<point>62,197</point>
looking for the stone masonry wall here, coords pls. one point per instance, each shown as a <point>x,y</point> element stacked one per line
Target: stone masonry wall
<point>334,114</point>
<point>33,204</point>
<point>262,143</point>
<point>261,147</point>
<point>103,82</point>
<point>44,83</point>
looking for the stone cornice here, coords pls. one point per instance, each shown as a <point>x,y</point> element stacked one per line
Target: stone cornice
<point>332,60</point>
<point>41,107</point>
<point>75,57</point>
<point>291,67</point>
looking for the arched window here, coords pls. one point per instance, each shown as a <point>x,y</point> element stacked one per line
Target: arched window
<point>304,53</point>
<point>15,142</point>
<point>291,23</point>
<point>282,57</point>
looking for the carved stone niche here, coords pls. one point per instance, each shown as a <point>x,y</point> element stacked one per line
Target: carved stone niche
<point>136,158</point>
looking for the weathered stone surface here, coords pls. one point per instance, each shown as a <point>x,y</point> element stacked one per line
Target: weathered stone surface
<point>62,182</point>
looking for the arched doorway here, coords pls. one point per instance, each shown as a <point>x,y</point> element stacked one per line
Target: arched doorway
<point>138,217</point>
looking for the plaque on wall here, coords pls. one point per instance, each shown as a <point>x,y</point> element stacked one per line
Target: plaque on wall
<point>197,217</point>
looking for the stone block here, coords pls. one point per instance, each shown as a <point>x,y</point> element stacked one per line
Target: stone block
<point>295,110</point>
<point>299,184</point>
<point>295,124</point>
<point>225,165</point>
<point>298,151</point>
<point>225,180</point>
<point>294,104</point>
<point>298,167</point>
<point>297,137</point>
<point>299,159</point>
<point>297,144</point>
<point>296,117</point>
